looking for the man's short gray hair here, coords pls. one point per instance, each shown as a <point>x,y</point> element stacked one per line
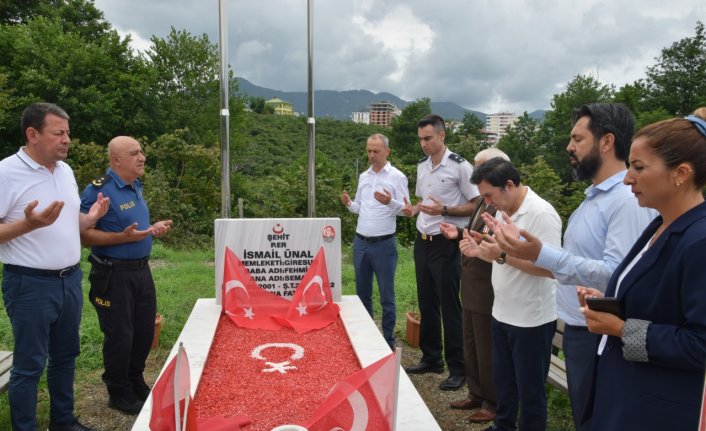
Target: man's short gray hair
<point>381,137</point>
<point>489,153</point>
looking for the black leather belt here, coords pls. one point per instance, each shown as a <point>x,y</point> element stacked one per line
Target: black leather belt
<point>576,328</point>
<point>127,265</point>
<point>425,237</point>
<point>374,238</point>
<point>61,273</point>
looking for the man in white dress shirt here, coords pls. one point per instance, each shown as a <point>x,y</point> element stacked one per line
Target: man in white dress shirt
<point>380,198</point>
<point>445,189</point>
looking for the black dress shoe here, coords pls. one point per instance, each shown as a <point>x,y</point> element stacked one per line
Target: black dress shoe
<point>141,390</point>
<point>128,404</point>
<point>452,383</point>
<point>75,426</point>
<point>423,368</point>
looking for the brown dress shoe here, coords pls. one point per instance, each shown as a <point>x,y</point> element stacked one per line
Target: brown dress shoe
<point>465,404</point>
<point>481,416</point>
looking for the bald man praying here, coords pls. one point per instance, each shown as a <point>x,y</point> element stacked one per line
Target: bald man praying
<point>122,289</point>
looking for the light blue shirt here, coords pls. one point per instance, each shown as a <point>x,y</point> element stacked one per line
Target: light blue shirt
<point>599,234</point>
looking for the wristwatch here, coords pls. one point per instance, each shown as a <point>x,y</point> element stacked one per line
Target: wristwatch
<point>445,211</point>
<point>501,259</point>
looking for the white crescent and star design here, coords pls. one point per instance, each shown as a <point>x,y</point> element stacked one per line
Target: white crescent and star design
<point>360,413</point>
<point>247,308</point>
<point>302,306</point>
<point>280,367</point>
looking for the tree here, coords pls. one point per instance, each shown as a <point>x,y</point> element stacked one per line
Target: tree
<point>676,82</point>
<point>473,126</point>
<point>520,142</point>
<point>186,89</point>
<point>403,135</point>
<point>557,125</point>
<point>259,106</point>
<point>76,16</point>
<point>97,81</point>
<point>634,96</point>
<point>547,184</point>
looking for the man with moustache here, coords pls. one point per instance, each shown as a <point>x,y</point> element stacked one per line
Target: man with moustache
<point>444,185</point>
<point>599,234</point>
<point>122,289</point>
<point>40,249</point>
<point>382,192</point>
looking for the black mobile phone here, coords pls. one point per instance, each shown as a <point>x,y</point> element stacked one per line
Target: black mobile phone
<point>606,305</point>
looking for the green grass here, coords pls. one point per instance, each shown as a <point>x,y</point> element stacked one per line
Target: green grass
<point>182,277</point>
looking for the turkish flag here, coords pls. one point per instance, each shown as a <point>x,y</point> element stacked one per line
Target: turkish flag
<point>244,301</point>
<point>365,400</point>
<point>173,408</point>
<point>312,306</point>
<point>170,394</point>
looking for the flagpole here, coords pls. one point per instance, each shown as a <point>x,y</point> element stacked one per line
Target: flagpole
<point>177,395</point>
<point>398,361</point>
<point>311,121</point>
<point>224,112</point>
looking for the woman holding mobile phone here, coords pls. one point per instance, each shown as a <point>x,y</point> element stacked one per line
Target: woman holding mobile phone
<point>651,368</point>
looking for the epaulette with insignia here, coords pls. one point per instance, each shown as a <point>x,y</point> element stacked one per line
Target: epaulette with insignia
<point>456,158</point>
<point>101,181</point>
<point>423,159</point>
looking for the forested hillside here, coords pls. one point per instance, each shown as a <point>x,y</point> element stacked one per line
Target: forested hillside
<point>63,51</point>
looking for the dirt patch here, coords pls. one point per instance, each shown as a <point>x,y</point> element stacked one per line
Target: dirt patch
<point>91,403</point>
<point>437,400</point>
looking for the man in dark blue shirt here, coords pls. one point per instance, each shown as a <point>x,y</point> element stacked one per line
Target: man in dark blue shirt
<point>122,289</point>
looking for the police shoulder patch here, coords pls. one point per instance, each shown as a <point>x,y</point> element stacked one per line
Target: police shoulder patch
<point>423,159</point>
<point>456,158</point>
<point>101,181</point>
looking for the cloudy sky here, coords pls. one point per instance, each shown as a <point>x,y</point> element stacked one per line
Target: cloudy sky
<point>486,55</point>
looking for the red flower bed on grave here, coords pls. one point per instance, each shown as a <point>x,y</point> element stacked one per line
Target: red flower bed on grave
<point>234,383</point>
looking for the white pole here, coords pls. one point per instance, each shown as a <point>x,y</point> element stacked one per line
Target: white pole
<point>311,121</point>
<point>224,112</point>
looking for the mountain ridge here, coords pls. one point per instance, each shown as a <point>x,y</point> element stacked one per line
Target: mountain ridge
<point>340,104</point>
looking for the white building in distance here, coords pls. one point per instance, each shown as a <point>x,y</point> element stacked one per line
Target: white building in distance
<point>499,123</point>
<point>361,117</point>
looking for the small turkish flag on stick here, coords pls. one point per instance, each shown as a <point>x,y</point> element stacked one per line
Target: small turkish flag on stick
<point>365,400</point>
<point>312,306</point>
<point>244,301</point>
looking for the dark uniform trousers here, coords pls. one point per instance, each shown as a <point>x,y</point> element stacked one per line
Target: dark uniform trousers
<point>126,303</point>
<point>437,265</point>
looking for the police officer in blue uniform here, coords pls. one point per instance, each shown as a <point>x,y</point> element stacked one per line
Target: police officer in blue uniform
<point>122,290</point>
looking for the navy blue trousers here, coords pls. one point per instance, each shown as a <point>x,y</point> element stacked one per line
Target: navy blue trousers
<point>380,259</point>
<point>580,348</point>
<point>521,359</point>
<point>45,314</point>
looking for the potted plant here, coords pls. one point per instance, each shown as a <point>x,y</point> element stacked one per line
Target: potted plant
<point>157,328</point>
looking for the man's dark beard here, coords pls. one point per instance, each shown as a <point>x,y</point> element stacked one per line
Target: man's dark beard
<point>587,168</point>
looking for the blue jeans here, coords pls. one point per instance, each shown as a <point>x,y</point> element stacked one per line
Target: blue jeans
<point>45,313</point>
<point>520,366</point>
<point>379,258</point>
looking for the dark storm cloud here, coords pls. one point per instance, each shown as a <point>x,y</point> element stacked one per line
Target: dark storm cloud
<point>490,56</point>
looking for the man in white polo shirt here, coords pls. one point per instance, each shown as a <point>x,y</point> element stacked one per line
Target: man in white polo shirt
<point>382,191</point>
<point>40,248</point>
<point>524,309</point>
